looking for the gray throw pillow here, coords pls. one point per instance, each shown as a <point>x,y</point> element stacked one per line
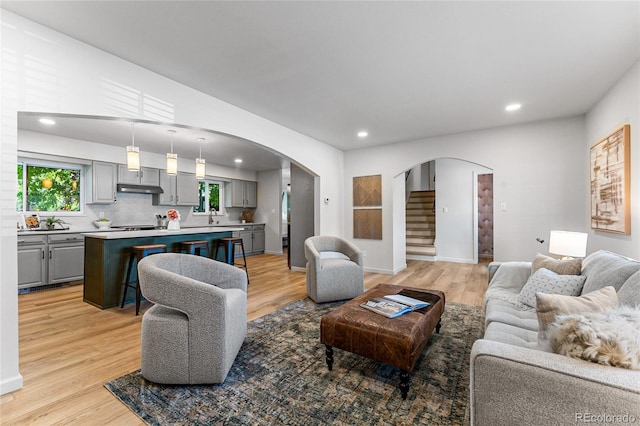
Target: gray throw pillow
<point>604,268</point>
<point>546,281</point>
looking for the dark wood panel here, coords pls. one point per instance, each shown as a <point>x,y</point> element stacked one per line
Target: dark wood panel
<point>367,224</point>
<point>367,191</point>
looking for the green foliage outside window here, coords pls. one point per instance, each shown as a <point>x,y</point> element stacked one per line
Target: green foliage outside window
<point>20,201</point>
<point>48,189</point>
<point>209,197</point>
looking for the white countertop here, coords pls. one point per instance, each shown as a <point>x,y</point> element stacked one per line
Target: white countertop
<point>242,224</point>
<point>112,235</point>
<point>61,231</point>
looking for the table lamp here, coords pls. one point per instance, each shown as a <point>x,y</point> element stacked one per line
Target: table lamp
<point>568,244</point>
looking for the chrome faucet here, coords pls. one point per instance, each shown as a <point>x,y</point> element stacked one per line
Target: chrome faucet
<point>211,210</point>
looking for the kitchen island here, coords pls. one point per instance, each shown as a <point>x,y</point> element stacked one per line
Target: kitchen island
<point>106,256</point>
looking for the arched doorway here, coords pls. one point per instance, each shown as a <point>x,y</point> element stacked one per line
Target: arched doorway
<point>448,210</point>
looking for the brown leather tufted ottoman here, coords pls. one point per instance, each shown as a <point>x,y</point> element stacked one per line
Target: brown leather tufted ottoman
<point>394,341</point>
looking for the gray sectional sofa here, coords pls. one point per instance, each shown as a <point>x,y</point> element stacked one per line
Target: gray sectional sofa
<point>516,380</point>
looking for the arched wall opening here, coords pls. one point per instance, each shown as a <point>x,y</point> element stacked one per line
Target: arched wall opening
<point>86,138</point>
<point>463,211</point>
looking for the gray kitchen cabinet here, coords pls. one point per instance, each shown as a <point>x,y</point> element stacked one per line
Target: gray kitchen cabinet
<point>246,236</point>
<point>239,193</point>
<point>66,258</point>
<point>168,185</point>
<point>180,190</point>
<point>257,236</point>
<point>145,176</point>
<point>187,189</point>
<point>251,194</point>
<point>102,186</point>
<point>50,259</point>
<point>32,261</point>
<point>252,239</point>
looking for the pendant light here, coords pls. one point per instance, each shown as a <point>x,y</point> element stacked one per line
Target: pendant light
<point>172,159</point>
<point>200,163</point>
<point>133,153</point>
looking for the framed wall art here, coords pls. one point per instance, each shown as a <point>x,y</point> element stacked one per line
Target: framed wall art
<point>610,183</point>
<point>367,191</point>
<point>367,224</point>
<point>367,207</point>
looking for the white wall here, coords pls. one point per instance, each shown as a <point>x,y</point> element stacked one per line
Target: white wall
<point>539,172</point>
<point>428,173</point>
<point>455,228</point>
<point>414,180</point>
<point>45,71</point>
<point>621,105</point>
<point>269,209</point>
<point>399,235</point>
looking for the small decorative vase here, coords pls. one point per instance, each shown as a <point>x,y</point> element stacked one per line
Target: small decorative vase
<point>173,225</point>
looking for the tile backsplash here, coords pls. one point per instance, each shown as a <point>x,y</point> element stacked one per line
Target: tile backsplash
<point>136,209</point>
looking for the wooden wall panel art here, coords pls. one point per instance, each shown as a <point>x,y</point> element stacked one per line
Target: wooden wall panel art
<point>367,191</point>
<point>610,171</point>
<point>367,224</point>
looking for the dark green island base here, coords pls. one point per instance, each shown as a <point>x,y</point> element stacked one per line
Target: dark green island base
<point>106,259</point>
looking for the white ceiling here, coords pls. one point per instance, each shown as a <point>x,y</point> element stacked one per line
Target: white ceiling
<point>401,70</point>
<point>217,148</point>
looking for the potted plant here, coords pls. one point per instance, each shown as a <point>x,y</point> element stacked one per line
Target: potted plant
<point>52,221</point>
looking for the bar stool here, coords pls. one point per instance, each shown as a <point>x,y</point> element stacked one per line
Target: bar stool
<point>195,247</point>
<point>137,254</point>
<point>229,244</point>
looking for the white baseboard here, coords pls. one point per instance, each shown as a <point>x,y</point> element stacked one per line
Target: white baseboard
<point>384,271</point>
<point>298,269</point>
<point>11,384</point>
<point>273,252</point>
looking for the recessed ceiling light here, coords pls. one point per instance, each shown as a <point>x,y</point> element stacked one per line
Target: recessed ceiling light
<point>47,121</point>
<point>363,134</point>
<point>513,107</point>
<point>238,160</point>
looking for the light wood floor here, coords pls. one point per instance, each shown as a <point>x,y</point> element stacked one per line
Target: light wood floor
<point>69,349</point>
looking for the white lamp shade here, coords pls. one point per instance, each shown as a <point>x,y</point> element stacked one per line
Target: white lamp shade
<point>172,163</point>
<point>200,168</point>
<point>133,158</point>
<point>565,243</point>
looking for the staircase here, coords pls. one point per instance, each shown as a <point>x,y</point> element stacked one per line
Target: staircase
<point>421,225</point>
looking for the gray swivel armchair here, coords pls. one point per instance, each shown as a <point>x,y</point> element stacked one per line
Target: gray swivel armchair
<point>198,323</point>
<point>334,269</point>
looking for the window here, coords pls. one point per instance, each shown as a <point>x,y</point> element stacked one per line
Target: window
<point>210,194</point>
<point>48,187</point>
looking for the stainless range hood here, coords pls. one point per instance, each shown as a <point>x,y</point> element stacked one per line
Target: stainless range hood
<point>139,189</point>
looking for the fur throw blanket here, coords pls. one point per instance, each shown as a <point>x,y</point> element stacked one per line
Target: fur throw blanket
<point>609,338</point>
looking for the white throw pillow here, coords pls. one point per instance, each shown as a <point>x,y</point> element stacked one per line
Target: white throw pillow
<point>333,255</point>
<point>546,281</point>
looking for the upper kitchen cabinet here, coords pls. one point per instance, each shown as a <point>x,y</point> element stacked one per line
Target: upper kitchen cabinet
<point>168,185</point>
<point>239,193</point>
<point>180,190</point>
<point>187,189</point>
<point>146,176</point>
<point>102,189</point>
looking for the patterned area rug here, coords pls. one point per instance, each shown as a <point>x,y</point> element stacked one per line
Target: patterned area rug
<point>280,377</point>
